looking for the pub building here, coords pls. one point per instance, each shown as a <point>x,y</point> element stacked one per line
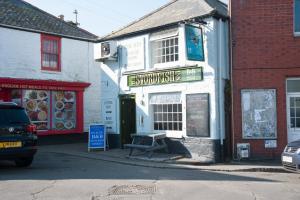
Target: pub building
<point>47,67</point>
<point>166,73</point>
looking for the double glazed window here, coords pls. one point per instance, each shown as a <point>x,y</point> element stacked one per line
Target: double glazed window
<point>297,17</point>
<point>50,53</point>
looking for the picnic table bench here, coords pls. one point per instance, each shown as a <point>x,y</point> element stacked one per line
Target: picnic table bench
<point>147,143</point>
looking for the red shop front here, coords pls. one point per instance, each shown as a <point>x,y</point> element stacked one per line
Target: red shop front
<point>55,107</point>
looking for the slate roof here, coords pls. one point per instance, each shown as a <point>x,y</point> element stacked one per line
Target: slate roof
<point>22,15</point>
<point>174,12</point>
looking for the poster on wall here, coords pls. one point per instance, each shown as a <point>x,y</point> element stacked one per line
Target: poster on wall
<point>259,113</point>
<point>194,43</point>
<point>197,115</point>
<point>109,115</point>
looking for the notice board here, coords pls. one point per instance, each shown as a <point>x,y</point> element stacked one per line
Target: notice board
<point>197,115</point>
<point>259,113</point>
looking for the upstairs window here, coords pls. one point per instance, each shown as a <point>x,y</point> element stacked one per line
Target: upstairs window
<point>50,53</point>
<point>164,46</point>
<point>297,17</point>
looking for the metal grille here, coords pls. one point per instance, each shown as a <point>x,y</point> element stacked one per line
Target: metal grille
<point>132,189</point>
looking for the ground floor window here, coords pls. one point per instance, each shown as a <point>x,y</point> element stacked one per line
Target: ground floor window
<point>167,117</point>
<point>167,111</point>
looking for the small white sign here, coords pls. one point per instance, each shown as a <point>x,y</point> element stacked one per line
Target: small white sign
<point>109,115</point>
<point>287,159</point>
<point>270,144</point>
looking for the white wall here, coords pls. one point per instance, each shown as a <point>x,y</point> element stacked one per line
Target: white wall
<point>112,85</point>
<point>20,57</point>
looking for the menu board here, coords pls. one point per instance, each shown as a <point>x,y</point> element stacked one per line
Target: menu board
<point>64,110</point>
<point>36,103</point>
<point>197,115</point>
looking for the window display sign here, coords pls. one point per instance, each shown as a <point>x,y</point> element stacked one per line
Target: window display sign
<point>194,43</point>
<point>197,115</point>
<point>97,137</point>
<point>259,113</point>
<point>177,75</point>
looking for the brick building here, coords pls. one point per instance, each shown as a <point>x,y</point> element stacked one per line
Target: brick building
<point>265,75</point>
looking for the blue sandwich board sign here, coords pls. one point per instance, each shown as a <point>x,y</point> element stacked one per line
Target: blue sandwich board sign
<point>97,137</point>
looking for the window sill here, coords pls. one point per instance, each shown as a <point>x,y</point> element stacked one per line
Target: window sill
<point>50,71</point>
<point>296,34</point>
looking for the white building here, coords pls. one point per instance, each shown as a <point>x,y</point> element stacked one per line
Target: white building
<point>47,66</point>
<point>167,72</point>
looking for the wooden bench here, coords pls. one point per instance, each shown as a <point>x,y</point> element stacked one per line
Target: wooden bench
<point>147,143</point>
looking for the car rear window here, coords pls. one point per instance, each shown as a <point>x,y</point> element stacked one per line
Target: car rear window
<point>13,116</point>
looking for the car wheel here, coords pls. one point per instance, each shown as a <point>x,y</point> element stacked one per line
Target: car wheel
<point>24,162</point>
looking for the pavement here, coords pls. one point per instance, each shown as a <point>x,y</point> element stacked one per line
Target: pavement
<point>159,160</point>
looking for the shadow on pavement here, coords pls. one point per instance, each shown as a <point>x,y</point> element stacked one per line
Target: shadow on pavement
<point>52,166</point>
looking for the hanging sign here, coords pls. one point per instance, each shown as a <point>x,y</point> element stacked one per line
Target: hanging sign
<point>97,137</point>
<point>194,43</point>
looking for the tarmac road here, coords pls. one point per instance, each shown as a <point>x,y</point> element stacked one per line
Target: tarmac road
<point>58,176</point>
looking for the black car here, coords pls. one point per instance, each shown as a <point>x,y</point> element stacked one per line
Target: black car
<point>18,139</point>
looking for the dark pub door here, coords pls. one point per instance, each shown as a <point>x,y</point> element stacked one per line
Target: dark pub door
<point>127,117</point>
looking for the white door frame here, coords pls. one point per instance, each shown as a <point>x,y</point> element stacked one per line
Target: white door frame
<point>292,133</point>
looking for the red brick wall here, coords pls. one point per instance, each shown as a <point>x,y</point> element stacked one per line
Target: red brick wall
<point>264,53</point>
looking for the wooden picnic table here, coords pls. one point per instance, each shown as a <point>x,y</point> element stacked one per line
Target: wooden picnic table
<point>147,142</point>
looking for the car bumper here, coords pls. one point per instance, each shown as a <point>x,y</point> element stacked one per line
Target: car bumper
<point>291,161</point>
<point>28,149</point>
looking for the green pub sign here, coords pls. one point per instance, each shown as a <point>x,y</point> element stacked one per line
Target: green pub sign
<point>177,75</point>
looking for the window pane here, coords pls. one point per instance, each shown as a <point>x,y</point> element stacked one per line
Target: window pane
<point>292,122</point>
<point>175,108</point>
<point>165,117</point>
<point>165,126</point>
<point>170,126</point>
<point>292,112</point>
<point>159,108</point>
<point>159,117</point>
<point>180,126</point>
<point>179,108</point>
<point>297,16</point>
<point>297,112</point>
<point>175,126</point>
<point>155,126</point>
<point>297,101</point>
<point>297,122</point>
<point>292,102</point>
<point>165,108</point>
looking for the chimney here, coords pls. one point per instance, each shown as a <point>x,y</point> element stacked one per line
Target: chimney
<point>62,17</point>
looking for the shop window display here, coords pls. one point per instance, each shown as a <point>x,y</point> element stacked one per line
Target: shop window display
<point>36,103</point>
<point>64,110</point>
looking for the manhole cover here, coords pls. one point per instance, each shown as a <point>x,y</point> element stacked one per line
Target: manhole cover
<point>132,189</point>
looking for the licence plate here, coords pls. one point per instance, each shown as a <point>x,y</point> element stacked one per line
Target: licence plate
<point>287,159</point>
<point>4,145</point>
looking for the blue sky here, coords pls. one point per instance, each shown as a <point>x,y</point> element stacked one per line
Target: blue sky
<point>100,16</point>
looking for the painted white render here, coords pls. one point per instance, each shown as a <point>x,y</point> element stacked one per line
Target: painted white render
<point>215,72</point>
<point>20,57</point>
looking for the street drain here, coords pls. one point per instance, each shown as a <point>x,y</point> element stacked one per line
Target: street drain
<point>132,189</point>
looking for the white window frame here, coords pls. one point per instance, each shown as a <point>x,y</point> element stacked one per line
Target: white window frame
<point>296,33</point>
<point>165,36</point>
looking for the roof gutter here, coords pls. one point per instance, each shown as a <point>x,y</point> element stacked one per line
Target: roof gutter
<point>50,33</point>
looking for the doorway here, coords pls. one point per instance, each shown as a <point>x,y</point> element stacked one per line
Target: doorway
<point>293,116</point>
<point>127,117</point>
